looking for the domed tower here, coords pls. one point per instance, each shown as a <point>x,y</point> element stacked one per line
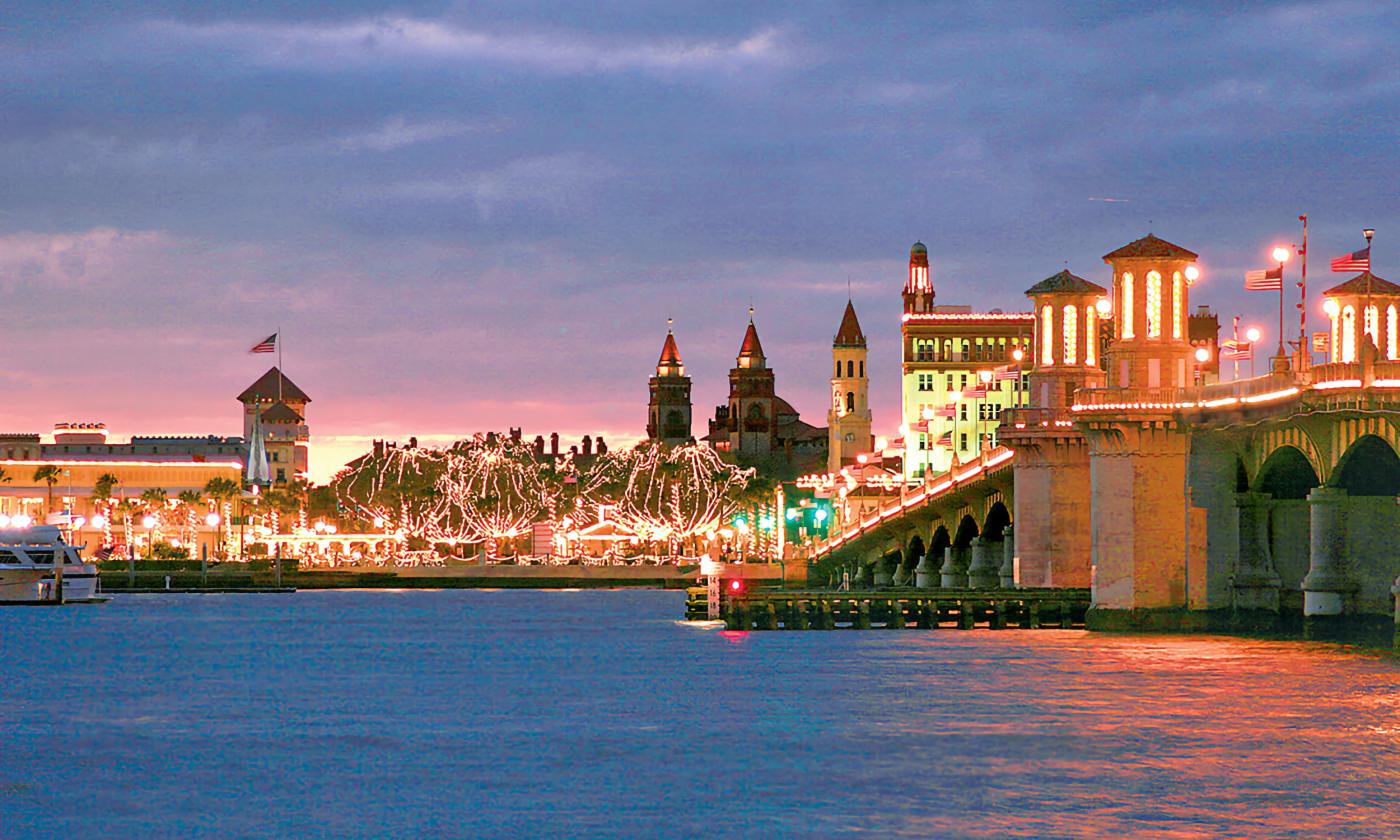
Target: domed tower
<point>1151,347</point>
<point>918,288</point>
<point>848,420</point>
<point>1066,352</point>
<point>669,411</point>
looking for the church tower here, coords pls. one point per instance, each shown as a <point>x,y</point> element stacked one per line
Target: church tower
<point>668,413</point>
<point>918,288</point>
<point>848,420</point>
<point>752,401</point>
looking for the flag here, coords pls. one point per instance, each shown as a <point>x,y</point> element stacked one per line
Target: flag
<point>1236,351</point>
<point>945,411</point>
<point>1008,373</point>
<point>946,440</point>
<point>975,393</point>
<point>1264,280</point>
<point>1355,261</point>
<point>267,345</point>
<point>1321,342</point>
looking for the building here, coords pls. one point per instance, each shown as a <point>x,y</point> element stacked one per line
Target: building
<point>283,413</point>
<point>669,410</point>
<point>848,420</point>
<point>758,427</point>
<point>952,399</point>
<point>1373,302</point>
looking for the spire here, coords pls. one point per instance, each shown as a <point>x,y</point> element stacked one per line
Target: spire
<point>751,353</point>
<point>849,334</point>
<point>670,363</point>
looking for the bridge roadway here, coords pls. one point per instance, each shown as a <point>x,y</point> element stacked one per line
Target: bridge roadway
<point>1273,493</point>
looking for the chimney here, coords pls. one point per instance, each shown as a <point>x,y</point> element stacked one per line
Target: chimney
<point>539,445</point>
<point>554,443</point>
<point>587,445</point>
<point>413,443</point>
<point>515,433</point>
<point>602,447</point>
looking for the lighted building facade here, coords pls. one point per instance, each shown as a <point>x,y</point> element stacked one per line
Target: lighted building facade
<point>952,398</point>
<point>1364,306</point>
<point>283,416</point>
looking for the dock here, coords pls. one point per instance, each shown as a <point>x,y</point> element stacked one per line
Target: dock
<point>964,609</point>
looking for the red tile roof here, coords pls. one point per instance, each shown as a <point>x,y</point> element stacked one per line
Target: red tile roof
<point>1066,283</point>
<point>670,354</point>
<point>751,347</point>
<point>280,413</point>
<point>1150,246</point>
<point>849,334</point>
<point>1365,283</point>
<point>265,389</point>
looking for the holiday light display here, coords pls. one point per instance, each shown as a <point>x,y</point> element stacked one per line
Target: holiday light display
<point>496,487</point>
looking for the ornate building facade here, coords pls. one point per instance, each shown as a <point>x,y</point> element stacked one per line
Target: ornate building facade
<point>283,415</point>
<point>669,409</point>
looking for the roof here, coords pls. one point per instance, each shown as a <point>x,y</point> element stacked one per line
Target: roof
<point>670,354</point>
<point>849,333</point>
<point>783,408</point>
<point>1365,283</point>
<point>919,248</point>
<point>751,346</point>
<point>1150,246</point>
<point>266,389</point>
<point>280,413</point>
<point>1066,283</point>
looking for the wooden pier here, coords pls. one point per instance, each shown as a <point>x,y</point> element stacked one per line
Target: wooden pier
<point>997,609</point>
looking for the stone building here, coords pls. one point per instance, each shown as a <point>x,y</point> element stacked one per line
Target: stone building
<point>849,419</point>
<point>283,414</point>
<point>669,409</point>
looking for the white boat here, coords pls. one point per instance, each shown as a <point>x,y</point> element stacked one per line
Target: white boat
<point>29,558</point>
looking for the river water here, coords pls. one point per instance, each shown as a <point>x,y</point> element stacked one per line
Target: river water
<point>523,713</point>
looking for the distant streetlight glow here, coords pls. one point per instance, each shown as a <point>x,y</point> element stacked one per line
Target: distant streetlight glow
<point>1281,254</point>
<point>1331,307</point>
<point>1104,306</point>
<point>1202,355</point>
<point>1252,333</point>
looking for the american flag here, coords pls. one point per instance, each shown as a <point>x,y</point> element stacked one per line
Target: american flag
<point>267,345</point>
<point>945,411</point>
<point>1237,351</point>
<point>1008,373</point>
<point>1355,261</point>
<point>1264,280</point>
<point>946,440</point>
<point>975,393</point>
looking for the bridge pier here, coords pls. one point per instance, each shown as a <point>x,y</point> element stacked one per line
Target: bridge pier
<point>983,572</point>
<point>1328,582</point>
<point>953,574</point>
<point>1255,583</point>
<point>1008,559</point>
<point>883,577</point>
<point>926,573</point>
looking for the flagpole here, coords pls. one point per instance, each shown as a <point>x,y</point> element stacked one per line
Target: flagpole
<point>1235,334</point>
<point>1366,313</point>
<point>279,364</point>
<point>1303,347</point>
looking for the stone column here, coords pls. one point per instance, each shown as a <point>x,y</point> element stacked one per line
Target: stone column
<point>1328,581</point>
<point>1255,581</point>
<point>882,571</point>
<point>983,572</point>
<point>1395,590</point>
<point>953,575</point>
<point>901,573</point>
<point>1008,559</point>
<point>926,573</point>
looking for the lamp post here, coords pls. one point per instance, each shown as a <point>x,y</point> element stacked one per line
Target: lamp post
<point>1281,254</point>
<point>1366,312</point>
<point>1253,335</point>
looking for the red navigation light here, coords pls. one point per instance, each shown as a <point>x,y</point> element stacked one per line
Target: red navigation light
<point>736,585</point>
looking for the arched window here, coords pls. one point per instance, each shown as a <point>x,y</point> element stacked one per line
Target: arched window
<point>850,369</point>
<point>1372,324</point>
<point>1349,334</point>
<point>1336,347</point>
<point>1392,344</point>
<point>1047,335</point>
<point>1070,328</point>
<point>1177,304</point>
<point>862,367</point>
<point>850,401</point>
<point>1125,310</point>
<point>837,374</point>
<point>1154,305</point>
<point>1091,336</point>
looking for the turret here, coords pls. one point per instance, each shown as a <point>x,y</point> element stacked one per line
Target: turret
<point>1068,310</point>
<point>669,410</point>
<point>1365,305</point>
<point>1151,347</point>
<point>918,288</point>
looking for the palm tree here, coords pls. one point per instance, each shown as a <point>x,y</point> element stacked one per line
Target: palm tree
<point>189,499</point>
<point>221,490</point>
<point>102,496</point>
<point>155,499</point>
<point>49,475</point>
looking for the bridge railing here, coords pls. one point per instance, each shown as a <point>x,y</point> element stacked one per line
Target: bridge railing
<point>1215,395</point>
<point>1029,418</point>
<point>1336,374</point>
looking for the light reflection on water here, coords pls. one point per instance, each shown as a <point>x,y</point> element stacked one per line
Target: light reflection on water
<point>512,713</point>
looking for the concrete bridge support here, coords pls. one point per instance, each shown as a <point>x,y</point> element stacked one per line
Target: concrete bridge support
<point>926,573</point>
<point>1328,583</point>
<point>1255,582</point>
<point>1052,506</point>
<point>984,570</point>
<point>884,571</point>
<point>1008,559</point>
<point>953,574</point>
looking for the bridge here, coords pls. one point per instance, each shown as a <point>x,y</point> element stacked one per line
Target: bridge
<point>1164,497</point>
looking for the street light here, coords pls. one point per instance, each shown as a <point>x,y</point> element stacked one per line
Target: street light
<point>1281,256</point>
<point>1253,335</point>
<point>1104,306</point>
<point>1192,274</point>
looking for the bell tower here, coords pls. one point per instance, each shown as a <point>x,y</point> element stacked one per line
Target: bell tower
<point>918,288</point>
<point>848,419</point>
<point>668,412</point>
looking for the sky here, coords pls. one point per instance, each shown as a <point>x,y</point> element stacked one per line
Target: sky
<point>470,216</point>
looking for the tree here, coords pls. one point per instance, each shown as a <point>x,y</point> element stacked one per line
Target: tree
<point>189,506</point>
<point>221,490</point>
<point>497,486</point>
<point>398,485</point>
<point>49,475</point>
<point>102,496</point>
<point>155,499</point>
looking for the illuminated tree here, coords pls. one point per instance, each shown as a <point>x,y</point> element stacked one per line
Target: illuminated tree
<point>399,485</point>
<point>498,486</point>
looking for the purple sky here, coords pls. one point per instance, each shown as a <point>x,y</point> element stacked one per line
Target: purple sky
<point>469,217</point>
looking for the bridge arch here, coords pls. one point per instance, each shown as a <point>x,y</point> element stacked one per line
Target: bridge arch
<point>913,553</point>
<point>967,531</point>
<point>998,518</point>
<point>1369,467</point>
<point>1292,436</point>
<point>1287,474</point>
<point>938,543</point>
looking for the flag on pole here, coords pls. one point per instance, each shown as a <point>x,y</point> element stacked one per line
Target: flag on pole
<point>1008,373</point>
<point>267,345</point>
<point>1322,342</point>
<point>945,411</point>
<point>1234,350</point>
<point>1355,261</point>
<point>946,440</point>
<point>974,393</point>
<point>1264,280</point>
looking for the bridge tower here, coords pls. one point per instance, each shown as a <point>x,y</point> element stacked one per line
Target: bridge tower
<point>1052,499</point>
<point>1141,518</point>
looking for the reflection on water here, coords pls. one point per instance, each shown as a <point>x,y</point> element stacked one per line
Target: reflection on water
<point>514,713</point>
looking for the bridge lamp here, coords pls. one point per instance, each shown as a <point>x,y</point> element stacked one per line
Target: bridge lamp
<point>1192,274</point>
<point>21,520</point>
<point>212,520</point>
<point>1252,333</point>
<point>1331,307</point>
<point>1202,354</point>
<point>4,520</point>
<point>1104,306</point>
<point>820,515</point>
<point>1282,254</point>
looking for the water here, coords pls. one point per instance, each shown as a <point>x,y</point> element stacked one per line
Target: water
<point>517,713</point>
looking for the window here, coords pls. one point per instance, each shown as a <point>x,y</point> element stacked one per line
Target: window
<point>962,441</point>
<point>1127,305</point>
<point>1154,304</point>
<point>962,410</point>
<point>1070,328</point>
<point>1372,323</point>
<point>837,374</point>
<point>1392,349</point>
<point>850,401</point>
<point>1177,304</point>
<point>963,381</point>
<point>862,369</point>
<point>850,369</point>
<point>281,474</point>
<point>1091,336</point>
<point>1047,335</point>
<point>1349,334</point>
<point>949,385</point>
